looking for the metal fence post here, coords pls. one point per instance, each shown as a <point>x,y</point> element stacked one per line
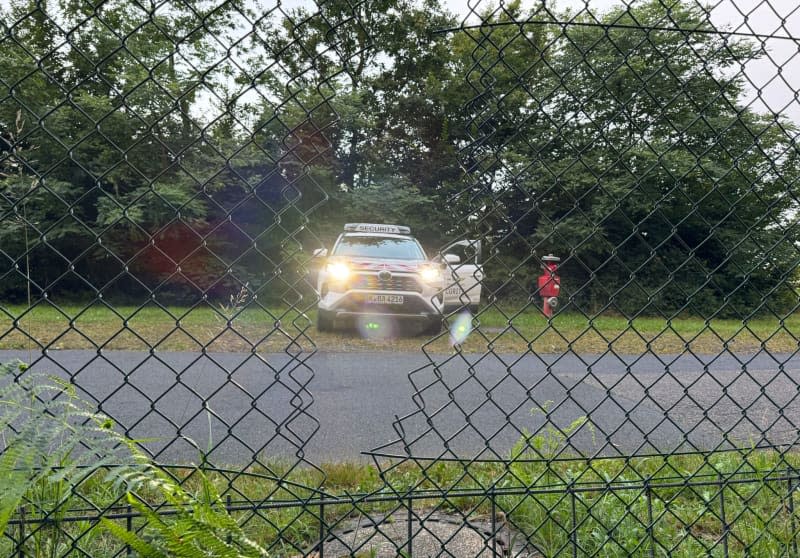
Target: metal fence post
<point>650,526</point>
<point>410,530</point>
<point>573,533</point>
<point>723,519</point>
<point>790,503</point>
<point>228,511</point>
<point>494,520</point>
<point>322,534</point>
<point>129,528</point>
<point>21,545</point>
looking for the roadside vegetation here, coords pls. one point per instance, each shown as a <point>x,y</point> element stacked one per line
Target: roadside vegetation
<point>502,327</point>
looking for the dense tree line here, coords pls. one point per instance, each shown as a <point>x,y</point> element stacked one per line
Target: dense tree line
<point>193,147</point>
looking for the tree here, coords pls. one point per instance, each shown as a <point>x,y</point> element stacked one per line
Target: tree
<point>109,117</point>
<point>643,167</point>
<point>41,227</point>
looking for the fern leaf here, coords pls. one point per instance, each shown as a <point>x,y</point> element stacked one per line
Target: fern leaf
<point>143,548</point>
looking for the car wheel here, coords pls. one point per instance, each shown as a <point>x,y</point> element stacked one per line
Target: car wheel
<point>434,326</point>
<point>324,321</point>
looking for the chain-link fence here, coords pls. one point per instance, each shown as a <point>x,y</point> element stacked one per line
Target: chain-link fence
<point>607,193</point>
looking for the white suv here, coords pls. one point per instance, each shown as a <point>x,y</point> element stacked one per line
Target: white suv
<point>380,271</point>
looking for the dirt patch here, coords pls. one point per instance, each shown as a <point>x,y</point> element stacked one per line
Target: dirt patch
<point>435,534</point>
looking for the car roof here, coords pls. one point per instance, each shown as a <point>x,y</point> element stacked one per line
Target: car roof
<point>380,235</point>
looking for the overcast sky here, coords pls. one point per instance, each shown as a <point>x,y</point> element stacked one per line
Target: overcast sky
<point>775,79</point>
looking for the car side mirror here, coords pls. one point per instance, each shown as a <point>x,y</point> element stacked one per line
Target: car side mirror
<point>320,253</point>
<point>452,258</point>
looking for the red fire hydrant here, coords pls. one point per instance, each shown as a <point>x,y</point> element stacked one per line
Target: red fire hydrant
<point>549,284</point>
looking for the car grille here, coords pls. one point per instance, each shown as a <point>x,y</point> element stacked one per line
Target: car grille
<point>411,305</point>
<point>396,283</point>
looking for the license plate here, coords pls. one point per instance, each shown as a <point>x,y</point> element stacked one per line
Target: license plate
<point>452,291</point>
<point>384,299</point>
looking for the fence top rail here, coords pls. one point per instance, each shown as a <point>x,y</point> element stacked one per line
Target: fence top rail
<point>385,496</point>
<point>624,26</point>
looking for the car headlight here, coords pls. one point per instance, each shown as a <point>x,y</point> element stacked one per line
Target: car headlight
<point>338,271</point>
<point>430,274</point>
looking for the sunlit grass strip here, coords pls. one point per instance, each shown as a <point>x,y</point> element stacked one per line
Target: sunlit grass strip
<point>274,328</point>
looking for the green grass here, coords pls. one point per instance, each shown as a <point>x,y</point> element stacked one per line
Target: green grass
<point>276,329</point>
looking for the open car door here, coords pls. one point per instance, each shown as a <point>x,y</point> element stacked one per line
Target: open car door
<point>463,278</point>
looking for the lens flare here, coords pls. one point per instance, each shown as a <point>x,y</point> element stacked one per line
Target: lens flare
<point>460,328</point>
<point>375,327</point>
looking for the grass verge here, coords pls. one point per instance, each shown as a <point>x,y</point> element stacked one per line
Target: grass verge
<point>273,329</point>
<point>734,504</point>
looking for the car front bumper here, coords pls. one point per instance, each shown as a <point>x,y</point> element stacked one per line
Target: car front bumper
<point>353,303</point>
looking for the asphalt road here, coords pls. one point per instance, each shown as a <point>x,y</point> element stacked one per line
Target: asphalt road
<point>337,405</point>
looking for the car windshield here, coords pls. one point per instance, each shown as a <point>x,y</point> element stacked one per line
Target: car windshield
<point>379,247</point>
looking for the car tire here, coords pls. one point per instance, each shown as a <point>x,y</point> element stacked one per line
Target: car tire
<point>433,326</point>
<point>324,321</point>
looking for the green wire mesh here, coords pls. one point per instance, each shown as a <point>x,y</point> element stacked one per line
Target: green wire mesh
<point>169,169</point>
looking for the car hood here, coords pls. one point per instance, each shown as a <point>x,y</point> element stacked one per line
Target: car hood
<point>375,264</point>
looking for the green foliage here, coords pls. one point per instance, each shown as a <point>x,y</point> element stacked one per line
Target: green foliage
<point>52,444</point>
<point>570,507</point>
<point>197,525</point>
<point>665,192</point>
<point>393,202</point>
<point>544,516</point>
<point>55,445</point>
